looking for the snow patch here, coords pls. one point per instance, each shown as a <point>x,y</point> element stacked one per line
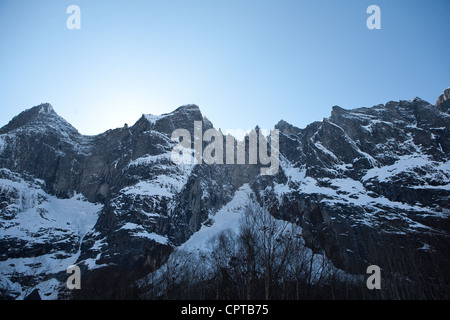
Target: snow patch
<point>153,118</point>
<point>325,150</point>
<point>404,164</point>
<point>228,217</point>
<point>149,159</point>
<point>139,231</point>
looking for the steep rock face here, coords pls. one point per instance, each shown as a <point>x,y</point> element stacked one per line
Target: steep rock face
<point>41,143</point>
<point>360,183</point>
<point>368,178</point>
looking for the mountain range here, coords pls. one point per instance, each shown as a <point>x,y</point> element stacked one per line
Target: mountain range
<point>367,186</point>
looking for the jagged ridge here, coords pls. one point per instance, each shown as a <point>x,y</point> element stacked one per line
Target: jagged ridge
<point>353,182</point>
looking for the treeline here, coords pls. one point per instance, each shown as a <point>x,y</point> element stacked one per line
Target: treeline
<point>267,259</point>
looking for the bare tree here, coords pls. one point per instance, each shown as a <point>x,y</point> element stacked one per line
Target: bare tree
<point>267,243</point>
<point>298,261</point>
<point>221,260</point>
<point>248,258</point>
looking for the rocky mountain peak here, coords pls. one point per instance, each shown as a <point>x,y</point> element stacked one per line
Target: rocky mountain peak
<point>188,110</point>
<point>181,118</point>
<point>286,128</point>
<point>40,116</point>
<point>26,117</point>
<point>443,97</point>
<point>46,108</point>
<point>443,102</point>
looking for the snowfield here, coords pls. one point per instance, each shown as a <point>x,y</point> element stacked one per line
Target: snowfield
<point>43,223</point>
<point>228,217</point>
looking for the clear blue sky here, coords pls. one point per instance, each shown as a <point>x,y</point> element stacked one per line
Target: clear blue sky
<point>244,62</point>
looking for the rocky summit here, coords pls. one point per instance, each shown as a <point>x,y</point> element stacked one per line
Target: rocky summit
<point>367,186</point>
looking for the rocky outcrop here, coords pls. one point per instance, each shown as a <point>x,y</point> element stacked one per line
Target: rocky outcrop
<point>443,102</point>
<point>443,97</point>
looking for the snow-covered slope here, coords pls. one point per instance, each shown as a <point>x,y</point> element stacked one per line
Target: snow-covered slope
<point>40,236</point>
